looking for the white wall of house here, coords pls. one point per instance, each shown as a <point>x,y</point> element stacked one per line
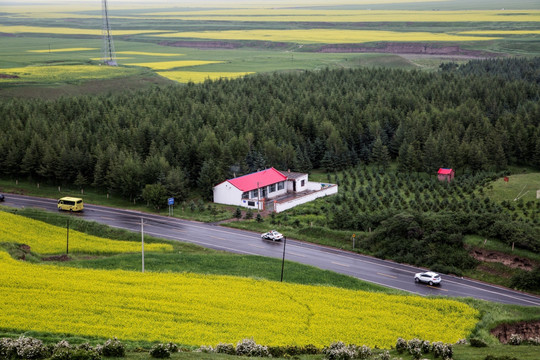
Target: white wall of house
<point>226,193</point>
<point>299,181</point>
<point>323,191</point>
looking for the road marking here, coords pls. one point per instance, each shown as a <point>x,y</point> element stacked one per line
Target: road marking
<point>216,237</point>
<point>107,218</point>
<point>340,264</point>
<point>257,246</point>
<point>437,288</point>
<point>390,276</point>
<point>295,254</point>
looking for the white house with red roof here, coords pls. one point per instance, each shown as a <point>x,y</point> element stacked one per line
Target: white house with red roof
<point>270,189</point>
<point>445,174</point>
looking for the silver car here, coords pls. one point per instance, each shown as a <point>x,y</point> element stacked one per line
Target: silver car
<point>272,235</point>
<point>428,277</point>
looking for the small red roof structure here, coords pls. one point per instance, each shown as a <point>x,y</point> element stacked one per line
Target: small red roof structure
<point>445,174</point>
<point>258,179</point>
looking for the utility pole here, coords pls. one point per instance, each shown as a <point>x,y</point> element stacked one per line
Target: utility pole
<point>67,237</point>
<point>142,242</point>
<point>283,261</point>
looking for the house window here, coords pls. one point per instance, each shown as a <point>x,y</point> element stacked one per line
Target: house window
<point>251,203</point>
<point>254,193</point>
<point>281,185</point>
<point>245,195</point>
<point>272,188</point>
<point>302,183</point>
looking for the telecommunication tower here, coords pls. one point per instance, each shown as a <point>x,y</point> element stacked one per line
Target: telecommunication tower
<point>107,50</point>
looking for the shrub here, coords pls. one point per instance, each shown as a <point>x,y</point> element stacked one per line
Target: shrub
<point>363,352</point>
<point>437,348</point>
<point>205,349</point>
<point>312,349</point>
<point>225,349</point>
<point>7,350</point>
<point>515,339</point>
<point>414,344</point>
<point>172,347</point>
<point>447,352</point>
<point>238,213</point>
<point>23,348</point>
<point>416,352</point>
<point>425,346</point>
<point>113,348</point>
<point>292,350</point>
<point>385,355</point>
<point>248,347</point>
<point>160,351</point>
<point>401,345</point>
<point>477,342</point>
<point>249,214</point>
<point>277,351</point>
<point>534,341</point>
<point>339,351</point>
<point>65,353</point>
<point>526,280</point>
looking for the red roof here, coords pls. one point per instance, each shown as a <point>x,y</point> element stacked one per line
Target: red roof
<point>259,179</point>
<point>443,171</point>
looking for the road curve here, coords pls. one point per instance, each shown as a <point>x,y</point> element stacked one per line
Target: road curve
<point>386,273</point>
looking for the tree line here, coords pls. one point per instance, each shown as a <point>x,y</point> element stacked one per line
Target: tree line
<point>180,138</point>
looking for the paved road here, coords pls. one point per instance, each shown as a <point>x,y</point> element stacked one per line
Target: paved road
<point>377,271</point>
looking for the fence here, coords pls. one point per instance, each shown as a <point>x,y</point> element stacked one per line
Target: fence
<point>319,190</point>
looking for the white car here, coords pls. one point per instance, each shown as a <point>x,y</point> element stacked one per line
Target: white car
<point>428,277</point>
<point>272,235</point>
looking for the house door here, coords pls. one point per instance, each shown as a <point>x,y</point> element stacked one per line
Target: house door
<point>294,186</point>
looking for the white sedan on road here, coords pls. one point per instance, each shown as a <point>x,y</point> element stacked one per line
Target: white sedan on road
<point>272,235</point>
<point>428,277</point>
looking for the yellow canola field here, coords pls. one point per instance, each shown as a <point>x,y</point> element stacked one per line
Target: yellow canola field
<point>165,65</point>
<point>305,15</point>
<point>501,32</point>
<point>146,53</point>
<point>325,36</point>
<point>44,238</point>
<point>198,77</point>
<point>61,50</point>
<point>63,73</point>
<point>199,309</point>
<point>69,31</point>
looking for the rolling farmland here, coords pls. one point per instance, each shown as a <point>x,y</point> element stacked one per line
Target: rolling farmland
<point>253,39</point>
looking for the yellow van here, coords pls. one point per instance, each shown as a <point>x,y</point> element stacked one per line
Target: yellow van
<point>70,204</point>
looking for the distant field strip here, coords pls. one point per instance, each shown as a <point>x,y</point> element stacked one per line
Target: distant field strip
<point>48,239</point>
<point>147,53</point>
<point>326,36</point>
<point>165,65</point>
<point>69,31</point>
<point>63,73</point>
<point>61,50</point>
<point>501,32</point>
<point>198,77</point>
<point>198,309</point>
<point>294,15</point>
